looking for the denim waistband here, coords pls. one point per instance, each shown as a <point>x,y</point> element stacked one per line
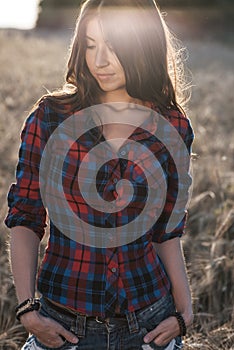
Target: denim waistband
<point>67,316</point>
<point>131,319</point>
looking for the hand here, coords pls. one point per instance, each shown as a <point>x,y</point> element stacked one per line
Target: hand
<point>48,332</point>
<point>168,329</point>
<point>161,335</point>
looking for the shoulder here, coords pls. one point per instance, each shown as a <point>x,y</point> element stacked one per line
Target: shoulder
<point>180,122</point>
<point>38,112</point>
<point>47,113</point>
<point>37,122</point>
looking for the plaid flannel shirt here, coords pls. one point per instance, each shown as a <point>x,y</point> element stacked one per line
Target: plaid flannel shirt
<point>89,279</point>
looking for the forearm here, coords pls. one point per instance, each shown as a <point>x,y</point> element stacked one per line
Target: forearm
<point>171,255</point>
<point>24,245</point>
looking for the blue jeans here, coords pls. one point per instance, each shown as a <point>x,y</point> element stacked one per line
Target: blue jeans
<point>114,334</point>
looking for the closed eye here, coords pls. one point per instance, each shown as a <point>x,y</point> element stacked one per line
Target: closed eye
<point>90,43</point>
<point>90,47</point>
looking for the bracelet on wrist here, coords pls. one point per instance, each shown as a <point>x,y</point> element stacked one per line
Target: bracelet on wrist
<point>27,305</point>
<point>182,325</point>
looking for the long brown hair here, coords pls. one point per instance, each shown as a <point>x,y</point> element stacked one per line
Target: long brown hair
<point>139,36</point>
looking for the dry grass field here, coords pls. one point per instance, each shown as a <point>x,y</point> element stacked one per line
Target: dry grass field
<point>30,63</point>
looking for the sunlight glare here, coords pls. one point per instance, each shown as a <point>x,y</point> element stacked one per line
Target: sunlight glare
<point>18,14</point>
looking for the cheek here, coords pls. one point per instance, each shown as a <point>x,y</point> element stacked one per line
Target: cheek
<point>122,75</point>
<point>121,72</point>
<point>89,62</point>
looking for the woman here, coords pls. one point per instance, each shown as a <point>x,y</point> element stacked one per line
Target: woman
<point>130,294</point>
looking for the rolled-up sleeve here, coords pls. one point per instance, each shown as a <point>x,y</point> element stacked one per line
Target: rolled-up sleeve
<point>24,200</point>
<point>172,220</point>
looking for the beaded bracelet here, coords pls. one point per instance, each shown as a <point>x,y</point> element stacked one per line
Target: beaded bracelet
<point>28,305</point>
<point>182,325</point>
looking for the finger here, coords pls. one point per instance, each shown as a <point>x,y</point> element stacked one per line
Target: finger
<point>53,342</point>
<point>59,330</point>
<point>150,336</point>
<point>54,332</point>
<point>159,340</point>
<point>164,332</point>
<point>162,340</point>
<point>57,340</point>
<point>68,336</point>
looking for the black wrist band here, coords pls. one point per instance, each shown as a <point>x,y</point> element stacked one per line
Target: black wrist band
<point>19,314</point>
<point>28,305</point>
<point>182,325</point>
<point>28,301</point>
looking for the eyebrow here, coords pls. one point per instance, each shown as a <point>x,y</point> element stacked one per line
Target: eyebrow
<point>88,37</point>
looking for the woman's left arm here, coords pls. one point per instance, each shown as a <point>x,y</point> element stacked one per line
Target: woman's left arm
<point>171,255</point>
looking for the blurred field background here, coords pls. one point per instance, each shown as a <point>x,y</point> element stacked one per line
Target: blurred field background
<point>33,61</point>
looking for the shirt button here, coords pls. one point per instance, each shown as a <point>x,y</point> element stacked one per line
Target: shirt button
<point>115,180</point>
<point>123,152</point>
<point>113,269</point>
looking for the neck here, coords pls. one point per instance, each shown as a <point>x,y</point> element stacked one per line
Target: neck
<point>120,96</point>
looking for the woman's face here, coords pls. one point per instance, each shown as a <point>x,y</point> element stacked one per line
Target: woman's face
<point>103,64</point>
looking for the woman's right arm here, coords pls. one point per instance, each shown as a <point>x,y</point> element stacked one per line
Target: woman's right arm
<point>24,246</point>
<point>27,220</point>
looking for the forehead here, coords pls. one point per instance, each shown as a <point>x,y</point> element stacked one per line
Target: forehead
<point>94,29</point>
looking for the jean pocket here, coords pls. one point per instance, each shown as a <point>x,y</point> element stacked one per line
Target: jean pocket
<point>33,343</point>
<point>65,346</point>
<point>155,313</point>
<point>56,317</point>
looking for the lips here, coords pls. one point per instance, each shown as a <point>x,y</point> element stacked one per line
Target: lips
<point>105,76</point>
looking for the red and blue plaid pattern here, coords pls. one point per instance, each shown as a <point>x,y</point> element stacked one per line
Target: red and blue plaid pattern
<point>89,279</point>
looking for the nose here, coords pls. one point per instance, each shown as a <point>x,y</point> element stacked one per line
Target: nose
<point>102,58</point>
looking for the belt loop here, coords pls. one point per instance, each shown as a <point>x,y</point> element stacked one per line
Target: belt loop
<point>132,322</point>
<point>80,325</point>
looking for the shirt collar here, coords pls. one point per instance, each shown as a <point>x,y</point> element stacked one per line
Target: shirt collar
<point>142,132</point>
